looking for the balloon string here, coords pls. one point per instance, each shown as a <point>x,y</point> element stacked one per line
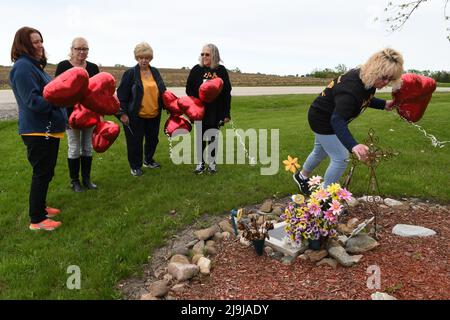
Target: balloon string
<point>252,160</point>
<point>434,141</point>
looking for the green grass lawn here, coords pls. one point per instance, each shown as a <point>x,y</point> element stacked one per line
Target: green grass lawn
<point>111,232</point>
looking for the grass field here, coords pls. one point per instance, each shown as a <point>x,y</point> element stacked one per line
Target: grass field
<point>110,233</point>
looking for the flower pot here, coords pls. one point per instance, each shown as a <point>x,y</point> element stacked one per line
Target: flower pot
<point>259,246</point>
<point>315,244</point>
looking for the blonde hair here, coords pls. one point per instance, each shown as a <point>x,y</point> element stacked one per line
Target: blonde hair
<point>215,56</point>
<point>387,62</point>
<point>77,39</point>
<point>143,49</point>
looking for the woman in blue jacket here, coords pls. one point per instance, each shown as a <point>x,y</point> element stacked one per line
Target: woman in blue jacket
<point>140,93</point>
<point>41,124</point>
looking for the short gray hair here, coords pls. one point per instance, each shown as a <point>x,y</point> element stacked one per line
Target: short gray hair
<point>143,49</point>
<point>215,55</point>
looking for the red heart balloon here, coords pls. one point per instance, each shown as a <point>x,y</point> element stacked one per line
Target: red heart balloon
<point>68,88</point>
<point>413,96</point>
<point>174,123</point>
<point>82,117</point>
<point>170,101</point>
<point>193,107</point>
<point>210,90</point>
<point>100,97</point>
<point>104,135</point>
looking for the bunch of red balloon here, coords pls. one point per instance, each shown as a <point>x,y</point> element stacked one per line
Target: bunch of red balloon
<point>91,98</point>
<point>413,96</point>
<point>192,107</point>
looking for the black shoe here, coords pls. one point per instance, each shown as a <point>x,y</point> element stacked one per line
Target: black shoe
<point>136,172</point>
<point>152,165</point>
<point>212,169</point>
<point>302,183</point>
<point>76,186</point>
<point>200,168</point>
<point>89,184</point>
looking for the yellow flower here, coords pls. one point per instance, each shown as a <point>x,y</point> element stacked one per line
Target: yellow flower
<point>291,164</point>
<point>334,188</point>
<point>298,198</point>
<point>239,214</point>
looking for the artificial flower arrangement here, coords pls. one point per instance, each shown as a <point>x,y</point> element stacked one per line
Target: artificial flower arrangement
<point>252,230</point>
<point>318,216</point>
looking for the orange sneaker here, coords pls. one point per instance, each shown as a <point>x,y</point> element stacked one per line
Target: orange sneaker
<point>51,212</point>
<point>47,224</point>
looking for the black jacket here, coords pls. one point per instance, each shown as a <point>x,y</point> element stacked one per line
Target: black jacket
<point>131,91</point>
<point>219,109</point>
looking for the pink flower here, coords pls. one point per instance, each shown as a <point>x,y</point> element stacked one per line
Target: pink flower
<point>314,209</point>
<point>336,207</point>
<point>321,194</point>
<point>329,215</point>
<point>314,181</point>
<point>344,194</point>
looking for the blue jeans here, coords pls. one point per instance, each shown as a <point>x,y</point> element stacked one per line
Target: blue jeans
<point>328,145</point>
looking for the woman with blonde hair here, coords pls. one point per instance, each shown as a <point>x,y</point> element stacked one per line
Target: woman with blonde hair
<point>140,93</point>
<point>344,99</point>
<point>80,149</point>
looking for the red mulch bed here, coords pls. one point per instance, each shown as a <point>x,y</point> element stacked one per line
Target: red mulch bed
<point>411,268</point>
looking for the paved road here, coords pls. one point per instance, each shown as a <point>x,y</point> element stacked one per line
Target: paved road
<point>8,102</point>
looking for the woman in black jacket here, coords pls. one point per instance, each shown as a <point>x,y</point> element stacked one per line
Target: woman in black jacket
<point>218,111</point>
<point>140,93</point>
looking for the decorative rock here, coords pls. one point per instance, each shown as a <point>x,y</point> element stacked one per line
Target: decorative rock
<point>168,278</point>
<point>342,240</point>
<point>381,296</point>
<point>148,296</point>
<point>198,248</point>
<point>277,211</point>
<point>183,272</point>
<point>342,256</point>
<point>393,203</point>
<point>342,228</point>
<point>244,241</point>
<point>266,206</point>
<point>210,243</point>
<point>277,255</point>
<point>352,223</point>
<point>218,236</point>
<point>287,260</point>
<point>360,243</point>
<point>204,265</point>
<point>211,250</point>
<point>226,235</point>
<point>179,287</point>
<point>406,230</point>
<point>352,202</point>
<point>196,257</point>
<point>260,220</point>
<point>191,244</point>
<point>205,234</point>
<point>180,259</point>
<point>183,250</point>
<point>329,262</point>
<point>303,257</point>
<point>159,272</point>
<point>159,289</point>
<point>226,226</point>
<point>315,256</point>
<point>268,250</point>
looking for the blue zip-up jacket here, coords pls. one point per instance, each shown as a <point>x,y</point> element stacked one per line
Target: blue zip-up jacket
<point>130,91</point>
<point>36,115</point>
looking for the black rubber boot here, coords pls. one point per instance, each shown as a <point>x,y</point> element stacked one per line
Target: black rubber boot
<point>74,169</point>
<point>86,164</point>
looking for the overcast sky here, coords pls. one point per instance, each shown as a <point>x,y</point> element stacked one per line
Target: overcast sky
<point>277,37</point>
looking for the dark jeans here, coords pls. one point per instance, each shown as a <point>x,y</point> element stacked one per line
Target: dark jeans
<point>42,154</point>
<point>142,128</point>
<point>212,141</point>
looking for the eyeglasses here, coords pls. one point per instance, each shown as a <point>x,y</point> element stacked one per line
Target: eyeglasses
<point>81,49</point>
<point>203,54</point>
<point>388,78</point>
